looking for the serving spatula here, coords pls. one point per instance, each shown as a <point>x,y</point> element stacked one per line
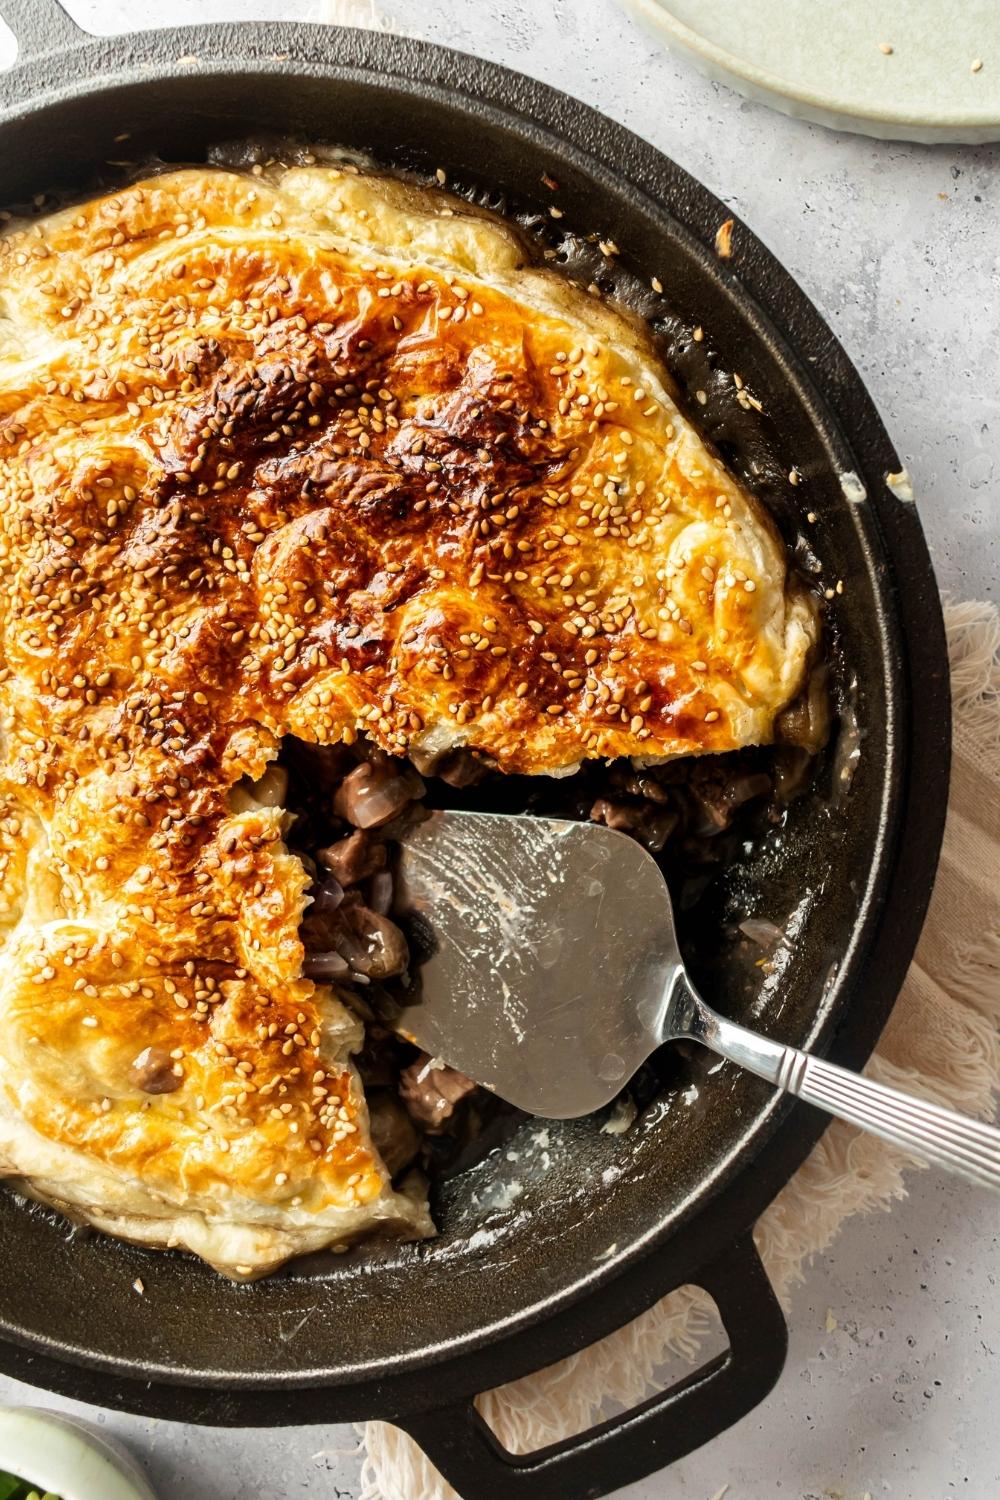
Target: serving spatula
<point>550,971</point>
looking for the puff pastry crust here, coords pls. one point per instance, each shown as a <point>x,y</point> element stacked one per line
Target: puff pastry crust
<point>321,454</point>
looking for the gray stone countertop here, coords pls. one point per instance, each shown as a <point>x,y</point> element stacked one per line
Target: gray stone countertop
<point>891,1381</point>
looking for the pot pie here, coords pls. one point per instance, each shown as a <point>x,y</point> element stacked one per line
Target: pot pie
<point>316,459</point>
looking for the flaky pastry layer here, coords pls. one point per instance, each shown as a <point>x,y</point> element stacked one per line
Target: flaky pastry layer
<point>317,454</point>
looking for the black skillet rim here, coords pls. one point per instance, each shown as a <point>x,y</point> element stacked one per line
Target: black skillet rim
<point>783,1135</point>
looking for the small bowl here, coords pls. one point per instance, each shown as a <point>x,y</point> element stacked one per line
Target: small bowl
<point>62,1454</point>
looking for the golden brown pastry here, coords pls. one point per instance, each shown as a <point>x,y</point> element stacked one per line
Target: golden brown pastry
<point>317,454</point>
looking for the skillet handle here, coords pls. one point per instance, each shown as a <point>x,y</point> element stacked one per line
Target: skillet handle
<point>651,1436</point>
<point>39,26</point>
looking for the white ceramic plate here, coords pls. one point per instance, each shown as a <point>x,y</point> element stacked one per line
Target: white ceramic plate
<point>826,60</point>
<point>62,1454</point>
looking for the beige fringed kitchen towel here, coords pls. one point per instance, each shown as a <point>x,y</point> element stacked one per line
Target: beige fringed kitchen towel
<point>942,1041</point>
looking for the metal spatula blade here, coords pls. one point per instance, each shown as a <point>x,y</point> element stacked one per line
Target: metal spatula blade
<point>537,927</point>
<point>548,970</point>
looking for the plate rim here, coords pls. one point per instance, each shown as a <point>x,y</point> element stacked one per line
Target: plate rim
<point>788,95</point>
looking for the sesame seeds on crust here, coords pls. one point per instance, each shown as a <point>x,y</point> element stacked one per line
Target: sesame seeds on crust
<point>324,456</point>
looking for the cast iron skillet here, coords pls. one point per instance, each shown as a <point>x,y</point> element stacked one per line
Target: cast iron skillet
<point>412,1333</point>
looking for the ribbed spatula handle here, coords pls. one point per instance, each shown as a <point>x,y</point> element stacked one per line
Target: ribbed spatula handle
<point>969,1148</point>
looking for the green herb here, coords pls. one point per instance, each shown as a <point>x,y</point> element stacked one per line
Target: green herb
<point>12,1488</point>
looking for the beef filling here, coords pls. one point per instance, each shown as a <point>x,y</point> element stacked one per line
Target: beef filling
<point>349,807</point>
